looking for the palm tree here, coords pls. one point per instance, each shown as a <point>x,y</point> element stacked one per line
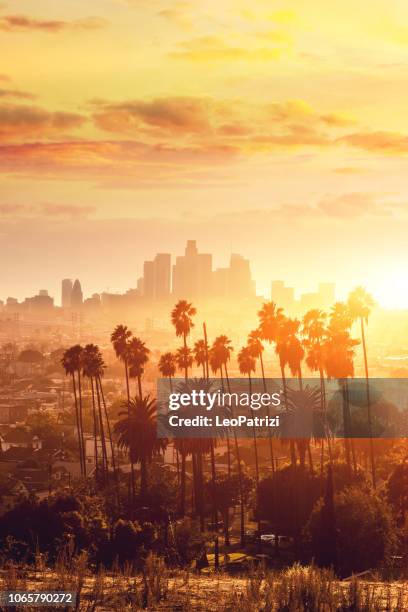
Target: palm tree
<point>339,360</point>
<point>247,365</point>
<point>92,368</point>
<point>315,335</point>
<point>360,304</point>
<point>137,357</point>
<point>290,352</point>
<point>182,319</point>
<point>184,359</point>
<point>200,355</point>
<point>137,432</point>
<point>256,348</point>
<point>99,374</point>
<point>71,362</point>
<point>223,349</point>
<point>270,319</point>
<point>120,338</point>
<point>167,367</point>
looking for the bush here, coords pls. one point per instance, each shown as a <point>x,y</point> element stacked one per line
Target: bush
<point>365,533</point>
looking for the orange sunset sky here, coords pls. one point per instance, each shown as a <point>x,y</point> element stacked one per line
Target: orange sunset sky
<point>278,130</point>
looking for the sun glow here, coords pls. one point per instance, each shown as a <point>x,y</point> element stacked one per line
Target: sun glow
<point>390,288</point>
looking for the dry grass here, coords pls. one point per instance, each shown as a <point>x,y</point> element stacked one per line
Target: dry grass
<point>157,589</point>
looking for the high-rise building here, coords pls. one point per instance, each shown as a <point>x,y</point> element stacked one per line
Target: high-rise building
<point>148,279</point>
<point>155,283</point>
<point>240,281</point>
<point>40,302</point>
<point>192,273</point>
<point>284,297</point>
<point>162,273</point>
<point>76,295</point>
<point>66,290</point>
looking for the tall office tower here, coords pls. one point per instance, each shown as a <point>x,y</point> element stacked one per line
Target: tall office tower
<point>284,297</point>
<point>66,290</point>
<point>327,293</point>
<point>76,294</point>
<point>162,266</point>
<point>148,279</point>
<point>240,281</point>
<point>192,273</point>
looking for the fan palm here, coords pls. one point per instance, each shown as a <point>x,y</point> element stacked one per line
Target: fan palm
<point>200,355</point>
<point>167,367</point>
<point>137,357</point>
<point>92,368</point>
<point>256,348</point>
<point>137,432</point>
<point>182,319</point>
<point>71,362</point>
<point>360,304</point>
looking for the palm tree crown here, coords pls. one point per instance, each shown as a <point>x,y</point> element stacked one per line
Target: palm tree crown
<point>270,318</point>
<point>181,317</point>
<point>167,364</point>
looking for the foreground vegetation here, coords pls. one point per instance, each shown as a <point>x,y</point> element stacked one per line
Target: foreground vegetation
<point>157,587</point>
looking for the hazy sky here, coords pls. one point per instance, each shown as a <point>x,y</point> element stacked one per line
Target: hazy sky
<point>275,129</point>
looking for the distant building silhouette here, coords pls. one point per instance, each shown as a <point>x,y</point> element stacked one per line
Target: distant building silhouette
<point>162,275</point>
<point>155,283</point>
<point>66,290</point>
<point>39,302</point>
<point>322,299</point>
<point>192,273</point>
<point>235,281</point>
<point>76,295</point>
<point>284,297</point>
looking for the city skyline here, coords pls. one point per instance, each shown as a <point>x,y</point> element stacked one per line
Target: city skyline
<point>274,131</point>
<point>190,276</point>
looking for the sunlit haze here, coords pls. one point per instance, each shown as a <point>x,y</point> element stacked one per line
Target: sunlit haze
<point>276,130</point>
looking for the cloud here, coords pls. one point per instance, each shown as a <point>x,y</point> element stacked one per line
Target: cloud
<point>23,23</point>
<point>115,163</point>
<point>23,121</point>
<point>351,205</point>
<point>378,142</point>
<point>212,48</point>
<point>338,120</point>
<point>4,77</point>
<point>179,14</point>
<point>16,93</point>
<point>71,211</point>
<point>171,115</point>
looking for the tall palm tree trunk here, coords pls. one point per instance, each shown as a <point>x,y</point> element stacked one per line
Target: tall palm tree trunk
<point>255,450</point>
<point>95,431</point>
<point>268,414</point>
<point>185,367</point>
<point>285,395</point>
<point>132,490</point>
<point>228,440</point>
<point>108,427</point>
<point>80,449</point>
<point>105,465</point>
<point>370,426</point>
<point>81,420</point>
